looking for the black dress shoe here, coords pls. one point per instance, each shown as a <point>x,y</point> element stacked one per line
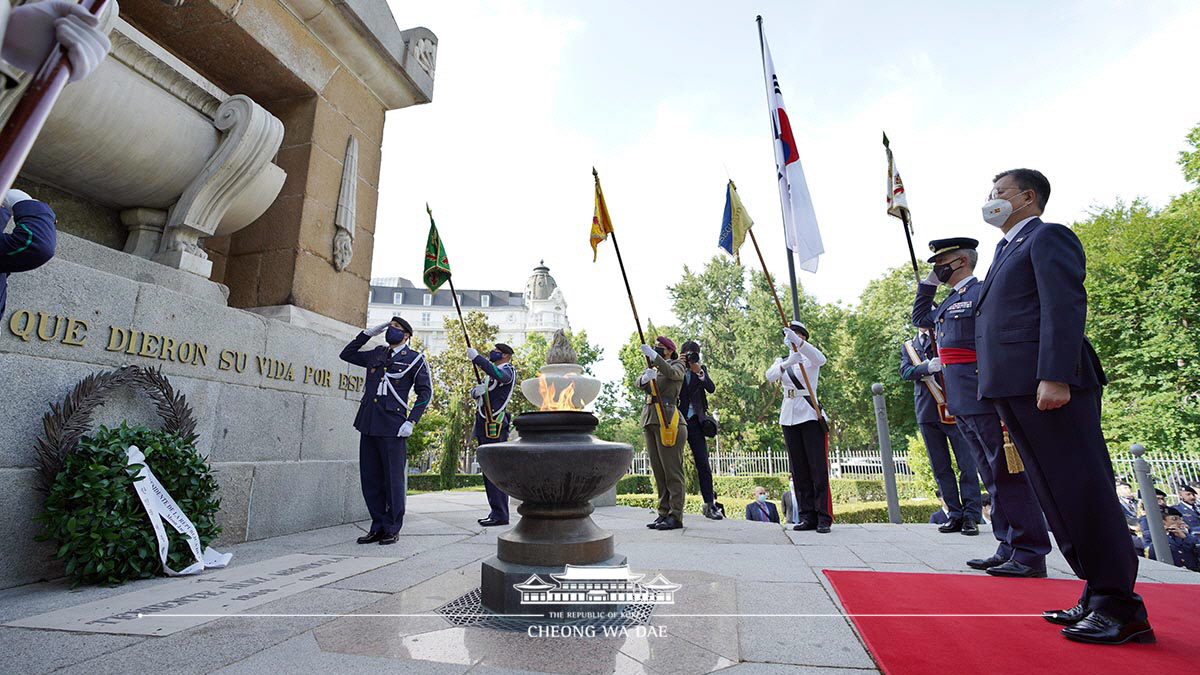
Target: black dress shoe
<point>804,525</point>
<point>1012,568</point>
<point>952,525</point>
<point>480,521</point>
<point>371,537</point>
<point>822,529</point>
<point>489,522</point>
<point>669,523</point>
<point>1101,629</point>
<point>654,525</point>
<point>969,527</point>
<point>389,538</point>
<point>985,563</point>
<point>1065,617</point>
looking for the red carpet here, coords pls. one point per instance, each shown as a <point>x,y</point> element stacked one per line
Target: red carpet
<point>1023,645</point>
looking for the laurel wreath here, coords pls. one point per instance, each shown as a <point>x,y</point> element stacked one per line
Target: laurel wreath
<point>71,419</point>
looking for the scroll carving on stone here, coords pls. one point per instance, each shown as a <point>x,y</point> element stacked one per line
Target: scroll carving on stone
<point>343,220</point>
<point>426,52</point>
<point>250,138</point>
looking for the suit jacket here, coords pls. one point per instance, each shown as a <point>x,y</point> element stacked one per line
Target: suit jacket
<point>693,395</point>
<point>1030,315</point>
<point>926,406</point>
<point>31,243</point>
<point>500,381</point>
<point>381,413</point>
<point>754,512</point>
<point>669,381</point>
<point>954,321</point>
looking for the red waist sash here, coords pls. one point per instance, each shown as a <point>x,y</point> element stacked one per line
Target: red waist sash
<point>955,355</point>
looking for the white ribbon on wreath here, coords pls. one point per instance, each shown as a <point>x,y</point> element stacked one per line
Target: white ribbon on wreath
<point>160,506</point>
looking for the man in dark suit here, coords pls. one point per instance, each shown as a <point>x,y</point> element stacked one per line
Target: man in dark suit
<point>32,241</point>
<point>499,377</point>
<point>960,496</point>
<point>385,419</point>
<point>761,509</point>
<point>1017,521</point>
<point>1045,380</point>
<point>693,405</point>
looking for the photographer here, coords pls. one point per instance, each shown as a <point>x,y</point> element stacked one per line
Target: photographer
<point>693,405</point>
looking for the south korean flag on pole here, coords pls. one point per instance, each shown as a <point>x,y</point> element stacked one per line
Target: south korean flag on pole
<point>799,220</point>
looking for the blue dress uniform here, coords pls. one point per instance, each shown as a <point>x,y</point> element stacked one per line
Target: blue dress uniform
<point>31,243</point>
<point>500,381</point>
<point>962,495</point>
<point>1029,327</point>
<point>1185,550</point>
<point>1017,521</point>
<point>382,453</point>
<point>1191,514</point>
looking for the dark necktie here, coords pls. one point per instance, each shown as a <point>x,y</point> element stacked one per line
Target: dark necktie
<point>1000,249</point>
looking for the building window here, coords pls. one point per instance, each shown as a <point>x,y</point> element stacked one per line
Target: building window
<point>425,317</point>
<point>427,300</point>
<point>459,295</point>
<point>398,298</point>
<point>485,300</point>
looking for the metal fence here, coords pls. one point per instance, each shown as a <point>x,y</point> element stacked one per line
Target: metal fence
<point>1168,471</point>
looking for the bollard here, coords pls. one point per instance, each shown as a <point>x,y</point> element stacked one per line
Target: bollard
<point>885,454</point>
<point>1158,532</point>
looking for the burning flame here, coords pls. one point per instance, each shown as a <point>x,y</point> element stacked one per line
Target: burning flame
<point>556,400</point>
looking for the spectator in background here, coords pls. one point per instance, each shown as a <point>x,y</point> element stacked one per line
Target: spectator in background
<point>942,515</point>
<point>1185,547</point>
<point>1129,503</point>
<point>987,507</point>
<point>1188,509</point>
<point>761,509</point>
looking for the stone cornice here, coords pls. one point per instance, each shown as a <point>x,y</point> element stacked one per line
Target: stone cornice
<point>148,59</point>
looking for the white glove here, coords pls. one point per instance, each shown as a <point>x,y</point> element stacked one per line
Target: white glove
<point>377,329</point>
<point>35,29</point>
<point>649,352</point>
<point>478,390</point>
<point>13,196</point>
<point>647,375</point>
<point>792,359</point>
<point>791,338</point>
<point>932,279</point>
<point>935,365</point>
<point>472,353</point>
<point>405,430</point>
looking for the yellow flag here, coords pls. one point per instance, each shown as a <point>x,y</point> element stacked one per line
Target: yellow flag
<point>734,223</point>
<point>601,223</point>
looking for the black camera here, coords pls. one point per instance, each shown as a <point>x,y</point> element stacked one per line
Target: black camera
<point>692,357</point>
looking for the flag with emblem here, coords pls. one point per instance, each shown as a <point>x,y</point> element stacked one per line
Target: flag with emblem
<point>799,219</point>
<point>601,223</point>
<point>735,223</point>
<point>437,265</point>
<point>897,201</point>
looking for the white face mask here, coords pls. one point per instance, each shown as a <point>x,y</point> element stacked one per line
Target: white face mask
<point>997,211</point>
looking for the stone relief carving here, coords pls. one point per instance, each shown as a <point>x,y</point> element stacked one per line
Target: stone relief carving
<point>153,68</point>
<point>251,138</point>
<point>343,220</point>
<point>426,53</point>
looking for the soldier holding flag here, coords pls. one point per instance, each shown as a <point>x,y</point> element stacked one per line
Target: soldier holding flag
<point>491,420</point>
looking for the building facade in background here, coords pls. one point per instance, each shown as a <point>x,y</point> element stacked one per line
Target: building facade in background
<point>540,309</point>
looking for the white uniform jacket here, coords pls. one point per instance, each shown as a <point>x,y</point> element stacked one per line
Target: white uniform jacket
<point>795,408</point>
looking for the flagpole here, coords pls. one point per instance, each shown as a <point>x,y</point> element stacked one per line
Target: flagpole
<point>487,403</point>
<point>762,50</point>
<point>770,282</point>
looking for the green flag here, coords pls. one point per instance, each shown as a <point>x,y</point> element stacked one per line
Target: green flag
<point>437,265</point>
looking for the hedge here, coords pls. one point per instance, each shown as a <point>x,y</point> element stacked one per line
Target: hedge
<point>911,511</point>
<point>432,482</point>
<point>845,490</point>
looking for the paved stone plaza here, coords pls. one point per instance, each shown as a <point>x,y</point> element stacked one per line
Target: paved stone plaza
<point>735,578</point>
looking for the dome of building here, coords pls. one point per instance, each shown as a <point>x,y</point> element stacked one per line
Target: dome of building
<point>540,285</point>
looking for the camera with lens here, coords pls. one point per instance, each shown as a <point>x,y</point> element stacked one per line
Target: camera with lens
<point>692,357</point>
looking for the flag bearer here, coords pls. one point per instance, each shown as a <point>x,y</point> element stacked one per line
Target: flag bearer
<point>491,419</point>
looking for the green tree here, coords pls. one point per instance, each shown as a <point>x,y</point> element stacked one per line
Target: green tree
<point>453,377</point>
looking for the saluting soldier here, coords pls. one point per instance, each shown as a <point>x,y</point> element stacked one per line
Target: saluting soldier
<point>964,508</point>
<point>385,421</point>
<point>804,428</point>
<point>499,375</point>
<point>1017,521</point>
<point>663,431</point>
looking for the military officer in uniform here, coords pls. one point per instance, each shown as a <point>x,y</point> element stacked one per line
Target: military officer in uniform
<point>964,508</point>
<point>31,243</point>
<point>385,420</point>
<point>803,429</point>
<point>1017,521</point>
<point>499,375</point>
<point>664,432</point>
<point>1044,377</point>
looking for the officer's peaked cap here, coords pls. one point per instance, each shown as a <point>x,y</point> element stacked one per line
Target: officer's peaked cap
<point>798,325</point>
<point>940,246</point>
<point>503,348</point>
<point>406,326</point>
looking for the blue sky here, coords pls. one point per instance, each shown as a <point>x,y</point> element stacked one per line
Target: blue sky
<point>666,100</point>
